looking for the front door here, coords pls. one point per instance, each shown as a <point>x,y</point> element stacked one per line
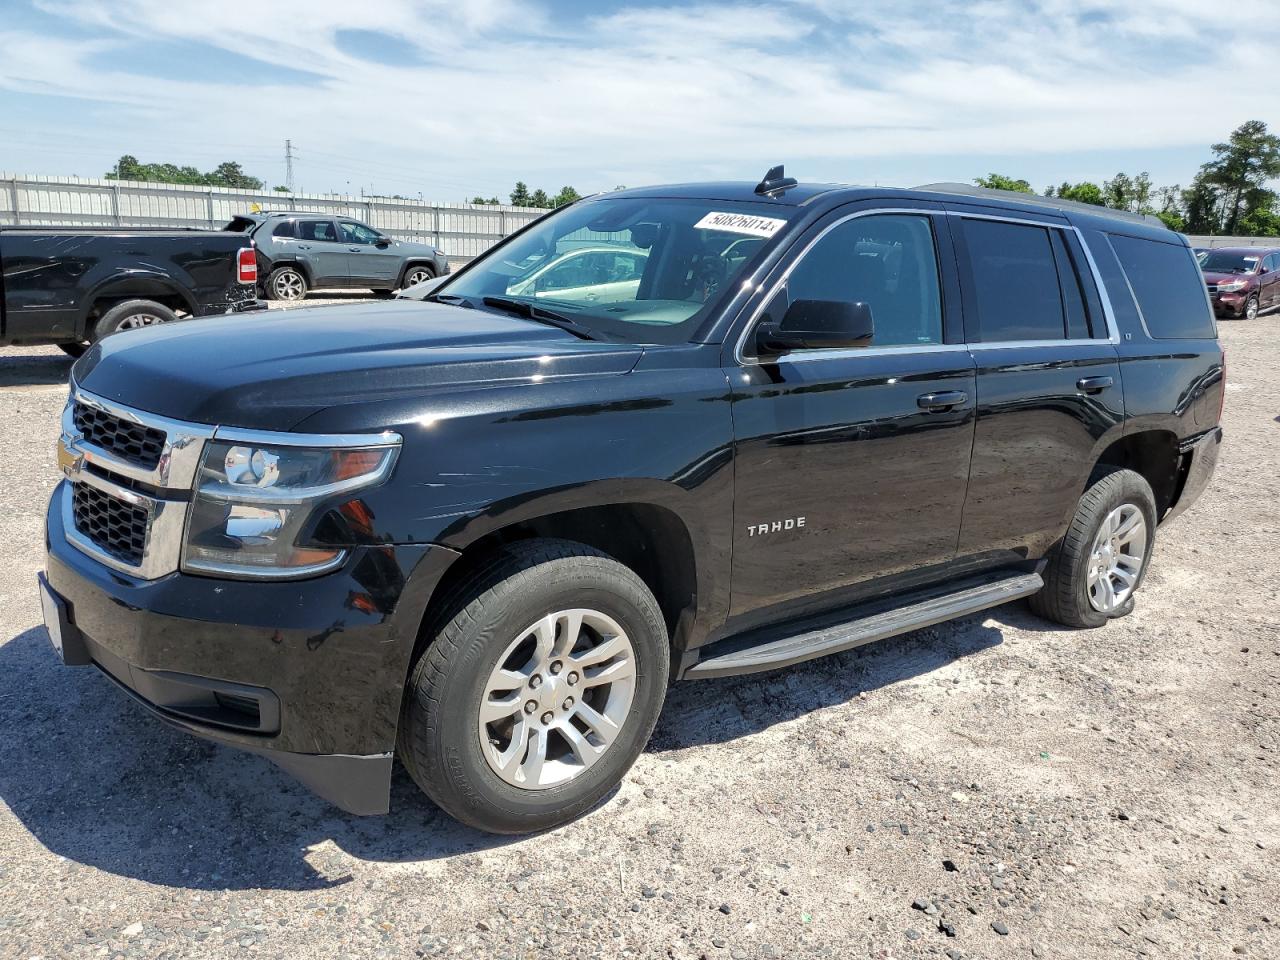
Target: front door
<point>1049,387</point>
<point>851,464</point>
<point>367,261</point>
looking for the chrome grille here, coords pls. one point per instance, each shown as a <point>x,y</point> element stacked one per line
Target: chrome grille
<point>113,525</point>
<point>127,439</point>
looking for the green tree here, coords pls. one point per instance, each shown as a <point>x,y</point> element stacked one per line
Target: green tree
<point>1200,210</point>
<point>998,181</point>
<point>281,188</point>
<point>227,174</point>
<point>1240,170</point>
<point>565,196</point>
<point>1084,192</point>
<point>520,195</point>
<point>1261,222</point>
<point>481,201</point>
<point>539,198</point>
<point>230,174</point>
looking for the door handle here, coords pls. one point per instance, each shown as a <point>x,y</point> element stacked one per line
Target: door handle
<point>354,249</point>
<point>1093,385</point>
<point>940,402</point>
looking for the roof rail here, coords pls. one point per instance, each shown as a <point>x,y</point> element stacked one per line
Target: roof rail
<point>1034,199</point>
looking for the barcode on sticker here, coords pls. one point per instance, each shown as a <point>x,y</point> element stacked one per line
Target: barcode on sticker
<point>740,223</point>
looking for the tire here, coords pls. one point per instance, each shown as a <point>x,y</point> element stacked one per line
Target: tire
<point>417,273</point>
<point>132,315</point>
<point>287,284</point>
<point>1069,596</point>
<point>73,349</point>
<point>526,584</point>
<point>1251,308</point>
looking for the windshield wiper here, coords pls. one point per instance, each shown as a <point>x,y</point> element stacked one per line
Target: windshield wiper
<point>528,311</point>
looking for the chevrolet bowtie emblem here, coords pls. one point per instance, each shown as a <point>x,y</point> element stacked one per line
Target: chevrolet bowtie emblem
<point>68,457</point>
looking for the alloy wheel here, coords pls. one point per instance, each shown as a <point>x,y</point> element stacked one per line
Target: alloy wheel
<point>136,320</point>
<point>289,286</point>
<point>1115,562</point>
<point>557,698</point>
<point>416,276</point>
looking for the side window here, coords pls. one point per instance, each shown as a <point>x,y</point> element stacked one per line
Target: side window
<point>316,230</point>
<point>1015,281</point>
<point>353,232</point>
<point>286,228</point>
<point>887,261</point>
<point>1167,285</point>
<point>1272,262</point>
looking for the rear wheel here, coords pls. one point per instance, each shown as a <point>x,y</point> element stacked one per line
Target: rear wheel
<point>538,694</point>
<point>286,283</point>
<point>1093,573</point>
<point>132,315</point>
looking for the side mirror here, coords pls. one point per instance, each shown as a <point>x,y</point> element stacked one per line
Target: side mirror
<point>818,325</point>
<point>382,243</point>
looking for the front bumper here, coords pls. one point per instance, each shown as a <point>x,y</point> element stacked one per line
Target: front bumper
<point>308,673</point>
<point>1229,304</point>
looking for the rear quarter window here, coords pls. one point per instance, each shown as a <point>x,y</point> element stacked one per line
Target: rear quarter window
<point>1168,286</point>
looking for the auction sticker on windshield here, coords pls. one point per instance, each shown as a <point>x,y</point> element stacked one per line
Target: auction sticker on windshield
<point>740,223</point>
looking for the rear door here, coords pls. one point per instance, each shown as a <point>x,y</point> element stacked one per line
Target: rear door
<point>850,469</point>
<point>368,262</point>
<point>1048,378</point>
<point>320,249</point>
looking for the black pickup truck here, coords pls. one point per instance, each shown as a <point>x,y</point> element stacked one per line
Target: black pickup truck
<point>664,434</point>
<point>73,286</point>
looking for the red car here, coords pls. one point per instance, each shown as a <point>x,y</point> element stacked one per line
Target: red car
<point>1242,281</point>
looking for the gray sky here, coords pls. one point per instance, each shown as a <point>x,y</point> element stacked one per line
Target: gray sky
<point>449,99</point>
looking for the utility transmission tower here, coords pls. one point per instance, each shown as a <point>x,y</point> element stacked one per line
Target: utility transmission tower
<point>288,164</point>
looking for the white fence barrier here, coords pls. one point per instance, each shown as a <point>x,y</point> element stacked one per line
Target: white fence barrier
<point>1206,242</point>
<point>461,230</point>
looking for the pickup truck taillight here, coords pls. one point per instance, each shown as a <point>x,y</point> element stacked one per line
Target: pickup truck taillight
<point>247,265</point>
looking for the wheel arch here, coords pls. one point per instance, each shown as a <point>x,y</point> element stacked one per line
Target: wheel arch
<point>1153,454</point>
<point>651,539</point>
<point>136,285</point>
<point>416,262</point>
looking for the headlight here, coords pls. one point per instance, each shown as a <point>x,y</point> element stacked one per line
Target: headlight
<point>253,499</point>
<point>1231,286</point>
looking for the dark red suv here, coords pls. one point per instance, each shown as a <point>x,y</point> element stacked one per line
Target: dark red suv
<point>1243,281</point>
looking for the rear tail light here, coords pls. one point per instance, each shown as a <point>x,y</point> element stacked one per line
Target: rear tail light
<point>247,265</point>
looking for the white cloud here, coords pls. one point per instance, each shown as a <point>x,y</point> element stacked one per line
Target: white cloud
<point>508,88</point>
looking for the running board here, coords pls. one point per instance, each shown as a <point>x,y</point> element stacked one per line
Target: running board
<point>854,633</point>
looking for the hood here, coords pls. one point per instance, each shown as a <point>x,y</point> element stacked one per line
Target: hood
<point>1217,276</point>
<point>270,371</point>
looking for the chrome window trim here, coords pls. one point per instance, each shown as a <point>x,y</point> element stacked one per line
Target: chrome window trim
<point>741,357</point>
<point>1108,311</point>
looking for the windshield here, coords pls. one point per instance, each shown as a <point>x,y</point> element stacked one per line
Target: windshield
<point>1223,261</point>
<point>641,269</point>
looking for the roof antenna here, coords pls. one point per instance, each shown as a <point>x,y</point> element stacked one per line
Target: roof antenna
<point>775,182</point>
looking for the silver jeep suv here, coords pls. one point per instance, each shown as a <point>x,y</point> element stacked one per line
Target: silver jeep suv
<point>298,252</point>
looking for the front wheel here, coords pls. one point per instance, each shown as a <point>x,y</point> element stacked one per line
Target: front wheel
<point>1093,573</point>
<point>417,274</point>
<point>536,697</point>
<point>1251,309</point>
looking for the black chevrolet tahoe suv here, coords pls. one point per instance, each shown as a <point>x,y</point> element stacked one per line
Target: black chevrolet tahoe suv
<point>71,286</point>
<point>746,426</point>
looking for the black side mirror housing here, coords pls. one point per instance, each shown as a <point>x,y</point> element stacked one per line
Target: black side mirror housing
<point>818,325</point>
<point>382,243</point>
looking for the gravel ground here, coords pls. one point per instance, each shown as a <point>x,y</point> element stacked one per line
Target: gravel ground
<point>996,787</point>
